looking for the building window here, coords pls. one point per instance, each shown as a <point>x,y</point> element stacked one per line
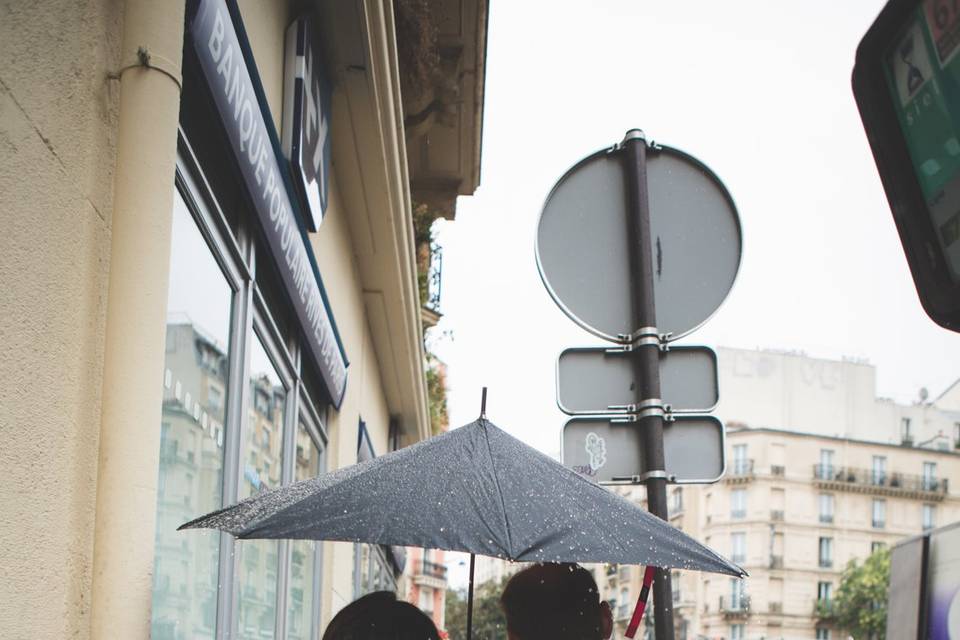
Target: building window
<point>426,600</point>
<point>675,586</point>
<point>736,632</point>
<point>738,504</point>
<point>304,555</point>
<point>956,435</point>
<point>738,600</point>
<point>823,633</point>
<point>738,547</point>
<point>199,300</point>
<point>227,312</point>
<point>826,508</point>
<point>929,517</point>
<point>824,591</point>
<point>826,552</point>
<point>929,476</point>
<point>623,610</point>
<point>256,612</point>
<point>879,514</point>
<point>740,463</point>
<point>676,500</point>
<point>878,475</point>
<point>825,468</point>
<point>877,546</point>
<point>906,431</point>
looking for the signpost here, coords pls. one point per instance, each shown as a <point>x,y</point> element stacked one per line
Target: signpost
<point>639,244</point>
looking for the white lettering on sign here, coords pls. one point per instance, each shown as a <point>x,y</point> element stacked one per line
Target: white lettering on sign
<point>251,140</point>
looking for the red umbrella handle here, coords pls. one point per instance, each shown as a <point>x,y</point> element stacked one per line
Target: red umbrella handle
<point>641,602</point>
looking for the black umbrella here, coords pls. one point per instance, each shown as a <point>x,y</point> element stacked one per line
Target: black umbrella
<point>474,489</point>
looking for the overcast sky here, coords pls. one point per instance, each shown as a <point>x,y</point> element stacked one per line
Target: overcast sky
<point>759,91</point>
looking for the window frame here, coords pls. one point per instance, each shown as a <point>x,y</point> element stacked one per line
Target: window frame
<point>251,318</point>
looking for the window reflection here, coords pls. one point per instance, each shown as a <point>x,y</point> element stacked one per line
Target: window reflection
<point>190,477</point>
<point>303,552</point>
<point>261,456</point>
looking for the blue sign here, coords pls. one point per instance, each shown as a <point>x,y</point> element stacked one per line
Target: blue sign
<point>253,142</point>
<point>306,118</point>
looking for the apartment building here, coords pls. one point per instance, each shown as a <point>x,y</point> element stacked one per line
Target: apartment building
<point>844,474</point>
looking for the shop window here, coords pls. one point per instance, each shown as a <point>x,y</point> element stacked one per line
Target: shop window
<point>304,559</point>
<point>257,609</point>
<point>228,310</point>
<point>199,305</point>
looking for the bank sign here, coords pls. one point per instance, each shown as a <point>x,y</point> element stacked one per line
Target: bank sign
<point>253,143</point>
<point>306,118</point>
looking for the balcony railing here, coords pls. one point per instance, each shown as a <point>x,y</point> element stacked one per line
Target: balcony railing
<point>776,515</point>
<point>826,563</point>
<point>434,275</point>
<point>777,470</point>
<point>735,607</point>
<point>880,482</point>
<point>738,514</point>
<point>776,607</point>
<point>826,518</point>
<point>823,608</point>
<point>432,569</point>
<point>776,562</point>
<point>740,471</point>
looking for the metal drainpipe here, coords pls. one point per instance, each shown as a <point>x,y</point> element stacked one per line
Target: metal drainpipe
<point>129,447</point>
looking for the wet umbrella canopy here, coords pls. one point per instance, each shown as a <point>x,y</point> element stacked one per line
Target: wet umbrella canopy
<point>474,489</point>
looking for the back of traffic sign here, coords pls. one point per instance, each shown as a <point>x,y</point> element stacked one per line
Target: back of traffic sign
<point>583,251</point>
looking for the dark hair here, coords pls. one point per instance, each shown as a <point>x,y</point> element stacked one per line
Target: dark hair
<point>555,601</point>
<point>380,616</point>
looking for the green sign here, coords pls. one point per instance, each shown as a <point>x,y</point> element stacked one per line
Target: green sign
<point>923,74</point>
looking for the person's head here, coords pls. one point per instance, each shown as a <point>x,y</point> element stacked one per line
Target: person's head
<point>555,601</point>
<point>380,616</point>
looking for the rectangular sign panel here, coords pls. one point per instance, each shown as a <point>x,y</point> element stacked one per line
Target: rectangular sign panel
<point>592,380</point>
<point>607,451</point>
<point>905,602</point>
<point>225,69</point>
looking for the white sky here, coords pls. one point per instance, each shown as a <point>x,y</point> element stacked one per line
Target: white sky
<point>760,91</point>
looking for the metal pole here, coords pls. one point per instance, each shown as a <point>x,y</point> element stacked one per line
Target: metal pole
<point>473,559</point>
<point>647,356</point>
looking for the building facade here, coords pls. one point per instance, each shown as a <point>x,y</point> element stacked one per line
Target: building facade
<point>210,268</point>
<point>426,583</point>
<point>844,474</point>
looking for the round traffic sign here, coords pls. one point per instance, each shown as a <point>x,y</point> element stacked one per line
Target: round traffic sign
<point>582,243</point>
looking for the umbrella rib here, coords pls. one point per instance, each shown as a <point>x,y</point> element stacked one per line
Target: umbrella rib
<point>496,481</point>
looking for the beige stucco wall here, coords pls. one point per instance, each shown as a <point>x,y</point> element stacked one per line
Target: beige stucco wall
<point>58,115</point>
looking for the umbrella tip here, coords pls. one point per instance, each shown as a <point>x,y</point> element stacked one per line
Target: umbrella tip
<point>483,403</point>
